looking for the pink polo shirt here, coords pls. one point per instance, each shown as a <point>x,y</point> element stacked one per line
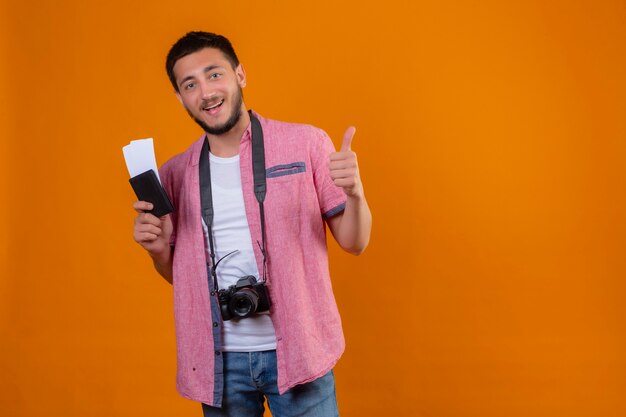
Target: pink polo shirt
<point>300,194</point>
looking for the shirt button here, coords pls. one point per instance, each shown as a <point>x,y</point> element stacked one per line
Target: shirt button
<point>218,353</point>
<point>215,324</point>
<point>212,292</point>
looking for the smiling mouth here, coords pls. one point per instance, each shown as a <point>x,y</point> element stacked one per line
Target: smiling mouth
<point>214,106</point>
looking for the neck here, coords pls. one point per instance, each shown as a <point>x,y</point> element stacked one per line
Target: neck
<point>227,144</point>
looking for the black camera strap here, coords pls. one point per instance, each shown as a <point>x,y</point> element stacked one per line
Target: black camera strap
<point>260,188</point>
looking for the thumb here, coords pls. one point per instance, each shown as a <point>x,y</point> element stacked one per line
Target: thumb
<point>347,139</point>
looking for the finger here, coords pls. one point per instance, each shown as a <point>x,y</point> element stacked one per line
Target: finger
<point>149,228</point>
<point>147,218</point>
<point>342,163</point>
<point>343,173</point>
<point>347,139</point>
<point>145,237</point>
<point>141,206</point>
<point>343,156</point>
<point>345,182</point>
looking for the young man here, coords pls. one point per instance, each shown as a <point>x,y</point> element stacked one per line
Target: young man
<point>276,335</point>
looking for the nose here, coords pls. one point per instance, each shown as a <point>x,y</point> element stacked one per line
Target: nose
<point>206,91</point>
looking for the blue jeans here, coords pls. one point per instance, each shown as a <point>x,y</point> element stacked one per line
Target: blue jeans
<point>251,376</point>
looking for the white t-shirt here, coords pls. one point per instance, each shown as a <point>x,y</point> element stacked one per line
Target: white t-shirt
<point>231,233</point>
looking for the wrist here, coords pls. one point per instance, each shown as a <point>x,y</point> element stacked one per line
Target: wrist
<point>356,195</point>
<point>162,256</point>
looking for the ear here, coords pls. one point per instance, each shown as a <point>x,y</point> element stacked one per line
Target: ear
<point>241,75</point>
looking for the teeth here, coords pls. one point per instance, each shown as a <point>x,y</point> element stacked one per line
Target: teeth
<point>214,106</point>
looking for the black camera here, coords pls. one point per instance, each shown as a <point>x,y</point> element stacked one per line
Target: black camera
<point>243,299</point>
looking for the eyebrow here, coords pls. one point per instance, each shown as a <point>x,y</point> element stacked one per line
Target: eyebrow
<point>191,77</point>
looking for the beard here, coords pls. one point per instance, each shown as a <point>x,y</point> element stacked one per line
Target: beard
<point>228,124</point>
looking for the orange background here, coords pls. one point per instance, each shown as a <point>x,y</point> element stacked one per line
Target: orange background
<point>491,138</point>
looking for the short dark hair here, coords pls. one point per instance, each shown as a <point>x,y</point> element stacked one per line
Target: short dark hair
<point>193,42</point>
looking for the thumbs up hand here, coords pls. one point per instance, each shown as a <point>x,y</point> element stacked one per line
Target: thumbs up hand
<point>344,169</point>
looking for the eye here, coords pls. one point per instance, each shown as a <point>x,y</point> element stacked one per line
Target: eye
<point>215,75</point>
<point>189,86</point>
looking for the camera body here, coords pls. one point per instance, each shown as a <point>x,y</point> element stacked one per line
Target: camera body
<point>244,298</point>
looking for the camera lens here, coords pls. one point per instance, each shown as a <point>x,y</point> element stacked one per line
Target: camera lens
<point>244,302</point>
